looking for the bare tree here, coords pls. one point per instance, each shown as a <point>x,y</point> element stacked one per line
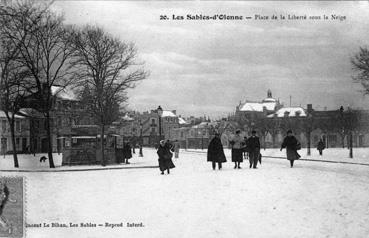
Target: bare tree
<point>360,63</point>
<point>44,52</point>
<point>12,75</point>
<point>106,65</point>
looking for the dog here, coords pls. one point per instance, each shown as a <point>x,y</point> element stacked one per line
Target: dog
<point>43,159</point>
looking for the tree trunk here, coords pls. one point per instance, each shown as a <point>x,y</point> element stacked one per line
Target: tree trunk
<point>102,145</point>
<point>273,139</point>
<point>351,152</point>
<point>343,140</point>
<point>12,133</point>
<point>308,143</point>
<point>49,140</point>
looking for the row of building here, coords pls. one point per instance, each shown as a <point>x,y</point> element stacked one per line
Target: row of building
<point>270,118</point>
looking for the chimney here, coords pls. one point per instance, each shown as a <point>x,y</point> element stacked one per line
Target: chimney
<point>310,108</point>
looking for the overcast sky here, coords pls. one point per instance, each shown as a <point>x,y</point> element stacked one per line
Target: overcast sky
<point>207,67</point>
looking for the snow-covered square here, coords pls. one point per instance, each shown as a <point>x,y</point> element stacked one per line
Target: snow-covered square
<point>313,199</point>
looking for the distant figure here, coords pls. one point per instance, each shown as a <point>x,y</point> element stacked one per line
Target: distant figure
<point>253,147</point>
<point>290,142</point>
<point>176,149</point>
<point>43,159</point>
<point>165,157</point>
<point>134,148</point>
<point>320,147</point>
<point>237,149</point>
<point>127,153</point>
<point>216,152</point>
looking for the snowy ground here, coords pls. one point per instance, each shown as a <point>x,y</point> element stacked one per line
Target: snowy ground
<point>314,199</point>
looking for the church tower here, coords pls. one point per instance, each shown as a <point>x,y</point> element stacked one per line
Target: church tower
<point>269,94</point>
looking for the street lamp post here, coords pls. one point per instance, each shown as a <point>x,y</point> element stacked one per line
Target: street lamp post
<point>350,128</point>
<point>202,140</point>
<point>348,122</point>
<point>309,128</point>
<point>160,113</point>
<point>141,141</point>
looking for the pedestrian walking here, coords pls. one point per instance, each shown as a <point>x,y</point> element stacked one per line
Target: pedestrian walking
<point>320,147</point>
<point>216,152</point>
<point>292,146</point>
<point>237,149</point>
<point>253,148</point>
<point>127,152</point>
<point>165,157</point>
<point>176,149</point>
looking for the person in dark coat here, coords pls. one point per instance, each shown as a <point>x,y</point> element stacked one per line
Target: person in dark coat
<point>253,147</point>
<point>165,157</point>
<point>127,152</point>
<point>292,145</point>
<point>320,147</point>
<point>237,149</point>
<point>216,152</point>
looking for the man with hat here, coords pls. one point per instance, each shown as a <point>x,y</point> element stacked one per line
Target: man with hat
<point>253,147</point>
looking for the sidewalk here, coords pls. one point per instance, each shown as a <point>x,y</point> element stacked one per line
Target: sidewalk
<point>331,155</point>
<point>30,163</point>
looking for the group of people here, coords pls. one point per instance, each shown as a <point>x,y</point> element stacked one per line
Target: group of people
<point>241,148</point>
<point>248,148</point>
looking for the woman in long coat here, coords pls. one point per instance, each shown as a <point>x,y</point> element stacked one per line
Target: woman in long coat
<point>216,152</point>
<point>237,149</point>
<point>165,157</point>
<point>292,145</point>
<point>127,152</point>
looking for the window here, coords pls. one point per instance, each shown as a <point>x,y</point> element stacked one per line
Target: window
<point>152,121</point>
<point>37,124</point>
<point>17,143</point>
<point>4,145</point>
<point>3,125</point>
<point>17,126</point>
<point>60,124</point>
<point>332,139</point>
<point>153,130</point>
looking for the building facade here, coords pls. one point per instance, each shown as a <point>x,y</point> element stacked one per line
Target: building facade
<point>22,134</point>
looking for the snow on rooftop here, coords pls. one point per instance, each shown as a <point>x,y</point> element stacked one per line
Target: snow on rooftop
<point>269,100</point>
<point>168,114</point>
<point>63,93</point>
<point>181,121</point>
<point>127,118</point>
<point>258,107</point>
<point>2,115</point>
<point>289,111</point>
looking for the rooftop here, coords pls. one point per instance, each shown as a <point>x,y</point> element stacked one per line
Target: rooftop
<point>290,112</point>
